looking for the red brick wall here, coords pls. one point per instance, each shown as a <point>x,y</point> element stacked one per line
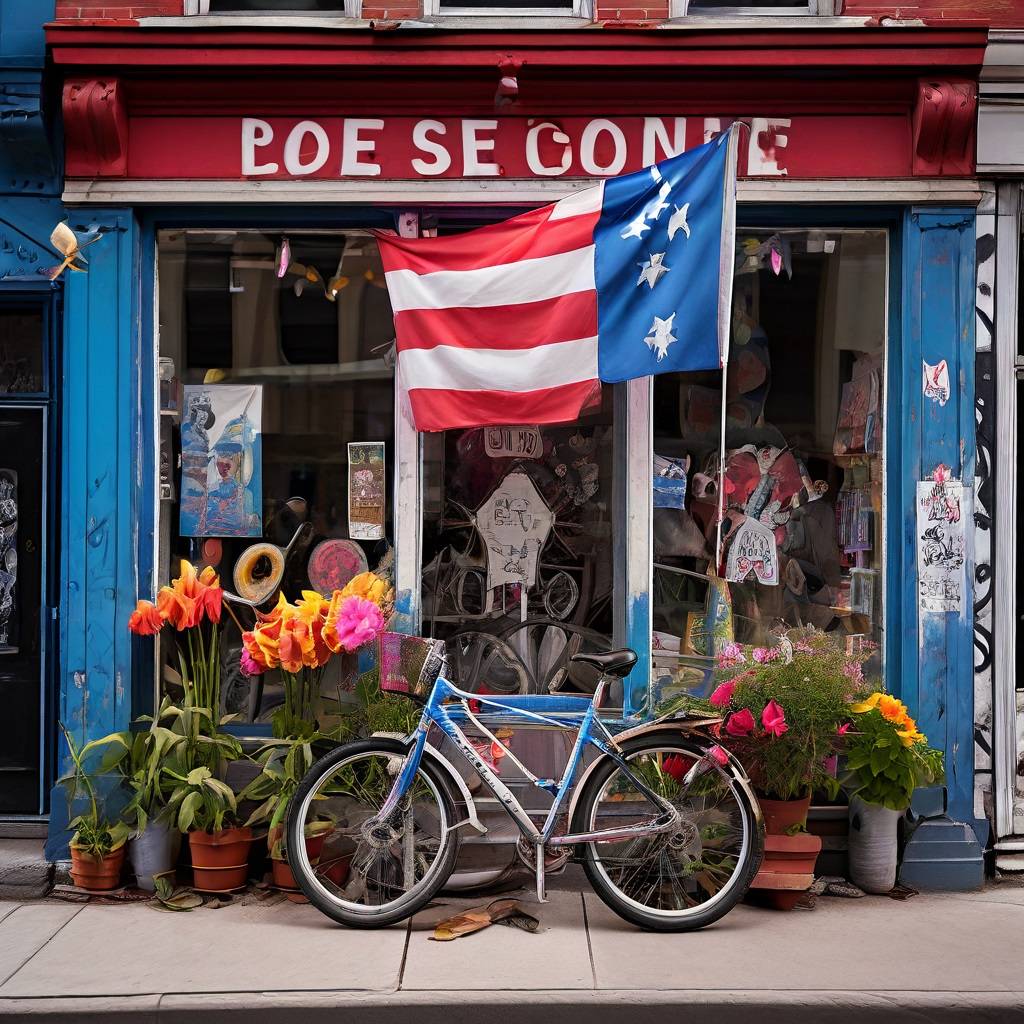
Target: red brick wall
<point>119,10</point>
<point>632,10</point>
<point>1000,13</point>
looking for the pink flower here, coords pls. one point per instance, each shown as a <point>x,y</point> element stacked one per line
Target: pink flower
<point>852,670</point>
<point>740,724</point>
<point>766,655</point>
<point>731,654</point>
<point>803,647</point>
<point>722,695</point>
<point>843,729</point>
<point>773,718</point>
<point>358,622</point>
<point>719,755</point>
<point>250,666</point>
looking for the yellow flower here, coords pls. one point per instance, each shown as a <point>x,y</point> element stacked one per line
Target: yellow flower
<point>867,705</point>
<point>893,710</point>
<point>909,734</point>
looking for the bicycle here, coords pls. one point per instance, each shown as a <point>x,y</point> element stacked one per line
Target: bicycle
<point>663,819</point>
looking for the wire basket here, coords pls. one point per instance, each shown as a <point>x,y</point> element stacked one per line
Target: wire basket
<point>409,663</point>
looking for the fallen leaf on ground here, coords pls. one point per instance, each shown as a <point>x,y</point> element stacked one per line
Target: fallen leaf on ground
<point>507,912</point>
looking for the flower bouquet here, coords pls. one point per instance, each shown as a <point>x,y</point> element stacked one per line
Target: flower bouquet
<point>300,639</point>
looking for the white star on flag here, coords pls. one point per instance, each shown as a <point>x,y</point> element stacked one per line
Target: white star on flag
<point>652,270</point>
<point>636,228</point>
<point>678,221</point>
<point>660,336</point>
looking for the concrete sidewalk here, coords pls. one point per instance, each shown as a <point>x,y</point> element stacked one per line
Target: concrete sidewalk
<point>932,958</point>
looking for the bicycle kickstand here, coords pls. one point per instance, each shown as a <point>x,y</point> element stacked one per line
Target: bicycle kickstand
<point>541,888</point>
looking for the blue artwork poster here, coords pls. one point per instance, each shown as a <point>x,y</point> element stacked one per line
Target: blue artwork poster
<point>221,461</point>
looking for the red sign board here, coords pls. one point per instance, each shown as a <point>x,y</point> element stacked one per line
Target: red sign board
<point>295,148</point>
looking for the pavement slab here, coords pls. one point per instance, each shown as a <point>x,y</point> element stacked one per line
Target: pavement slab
<point>234,949</point>
<point>502,957</point>
<point>26,929</point>
<point>875,943</point>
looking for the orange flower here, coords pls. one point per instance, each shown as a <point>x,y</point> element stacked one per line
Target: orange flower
<point>181,611</point>
<point>313,608</point>
<point>146,619</point>
<point>295,643</point>
<point>211,594</point>
<point>893,710</point>
<point>264,646</point>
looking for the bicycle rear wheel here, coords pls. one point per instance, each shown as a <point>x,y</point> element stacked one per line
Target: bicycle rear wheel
<point>679,880</point>
<point>354,867</point>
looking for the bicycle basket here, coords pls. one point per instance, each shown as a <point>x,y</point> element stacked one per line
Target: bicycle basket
<point>409,663</point>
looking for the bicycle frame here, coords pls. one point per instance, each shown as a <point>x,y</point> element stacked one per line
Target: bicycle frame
<point>448,708</point>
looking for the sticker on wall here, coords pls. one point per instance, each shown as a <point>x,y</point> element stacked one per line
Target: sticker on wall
<point>221,461</point>
<point>366,490</point>
<point>940,543</point>
<point>514,522</point>
<point>8,559</point>
<point>513,442</point>
<point>936,382</point>
<point>753,553</point>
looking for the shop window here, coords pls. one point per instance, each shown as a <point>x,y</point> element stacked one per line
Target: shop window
<point>803,485</point>
<point>271,369</point>
<point>563,8</point>
<point>727,8</point>
<point>270,7</point>
<point>518,560</point>
<point>21,351</point>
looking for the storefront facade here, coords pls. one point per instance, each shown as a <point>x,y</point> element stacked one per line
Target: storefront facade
<point>236,174</point>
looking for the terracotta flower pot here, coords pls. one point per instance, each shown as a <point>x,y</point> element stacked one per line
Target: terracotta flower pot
<point>281,869</point>
<point>789,855</point>
<point>220,860</point>
<point>97,873</point>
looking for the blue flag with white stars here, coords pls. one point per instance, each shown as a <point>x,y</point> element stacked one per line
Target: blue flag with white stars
<point>663,264</point>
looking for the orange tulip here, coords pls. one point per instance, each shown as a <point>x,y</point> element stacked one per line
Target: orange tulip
<point>180,611</point>
<point>146,619</point>
<point>313,608</point>
<point>295,644</point>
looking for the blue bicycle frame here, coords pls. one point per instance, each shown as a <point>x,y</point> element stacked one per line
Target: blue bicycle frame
<point>449,708</point>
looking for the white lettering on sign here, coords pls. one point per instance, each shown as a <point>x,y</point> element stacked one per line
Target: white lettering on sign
<point>293,161</point>
<point>255,133</point>
<point>370,147</point>
<point>353,144</point>
<point>473,147</point>
<point>425,144</point>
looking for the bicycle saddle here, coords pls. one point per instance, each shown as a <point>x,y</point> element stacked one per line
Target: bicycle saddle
<point>609,663</point>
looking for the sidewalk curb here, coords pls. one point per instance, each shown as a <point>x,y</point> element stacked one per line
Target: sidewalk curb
<point>687,1006</point>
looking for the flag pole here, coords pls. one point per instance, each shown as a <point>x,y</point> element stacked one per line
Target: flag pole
<point>726,270</point>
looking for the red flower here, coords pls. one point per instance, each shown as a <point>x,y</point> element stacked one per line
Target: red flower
<point>722,695</point>
<point>843,729</point>
<point>740,724</point>
<point>146,619</point>
<point>773,718</point>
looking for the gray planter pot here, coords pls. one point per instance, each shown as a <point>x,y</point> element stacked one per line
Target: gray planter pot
<point>873,845</point>
<point>155,852</point>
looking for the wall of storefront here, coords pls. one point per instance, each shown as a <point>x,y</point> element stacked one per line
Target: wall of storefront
<point>929,209</point>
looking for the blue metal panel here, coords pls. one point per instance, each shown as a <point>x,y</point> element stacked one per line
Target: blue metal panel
<point>102,512</point>
<point>22,43</point>
<point>935,670</point>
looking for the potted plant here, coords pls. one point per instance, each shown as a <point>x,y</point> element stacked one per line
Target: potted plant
<point>284,765</point>
<point>143,759</point>
<point>887,758</point>
<point>205,810</point>
<point>97,844</point>
<point>782,708</point>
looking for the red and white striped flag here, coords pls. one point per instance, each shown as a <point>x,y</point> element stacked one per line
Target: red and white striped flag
<point>519,322</point>
<point>498,325</point>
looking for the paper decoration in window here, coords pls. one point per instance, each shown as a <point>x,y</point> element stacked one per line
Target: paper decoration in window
<point>513,442</point>
<point>514,523</point>
<point>366,490</point>
<point>221,461</point>
<point>753,553</point>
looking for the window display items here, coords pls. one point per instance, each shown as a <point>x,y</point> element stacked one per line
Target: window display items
<point>221,461</point>
<point>366,490</point>
<point>8,558</point>
<point>334,563</point>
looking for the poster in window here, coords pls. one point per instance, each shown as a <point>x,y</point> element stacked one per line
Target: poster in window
<point>941,545</point>
<point>221,461</point>
<point>8,560</point>
<point>366,490</point>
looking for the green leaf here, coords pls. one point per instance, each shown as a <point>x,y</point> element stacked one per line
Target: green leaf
<point>187,814</point>
<point>198,776</point>
<point>880,758</point>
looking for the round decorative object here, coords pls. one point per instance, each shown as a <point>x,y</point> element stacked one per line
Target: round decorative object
<point>333,563</point>
<point>212,552</point>
<point>258,572</point>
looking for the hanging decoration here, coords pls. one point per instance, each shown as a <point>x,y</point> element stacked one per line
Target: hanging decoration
<point>68,244</point>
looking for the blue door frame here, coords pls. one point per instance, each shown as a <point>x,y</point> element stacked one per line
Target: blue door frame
<point>109,450</point>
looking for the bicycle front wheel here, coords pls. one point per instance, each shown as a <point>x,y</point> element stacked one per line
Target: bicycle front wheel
<point>685,878</point>
<point>352,865</point>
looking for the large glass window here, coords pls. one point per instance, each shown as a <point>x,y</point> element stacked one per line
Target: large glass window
<point>277,422</point>
<point>802,534</point>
